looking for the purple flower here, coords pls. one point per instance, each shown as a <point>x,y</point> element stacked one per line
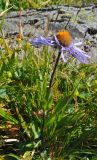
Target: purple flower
<point>63,41</point>
<point>38,42</point>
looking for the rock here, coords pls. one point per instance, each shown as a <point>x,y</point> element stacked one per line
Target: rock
<point>81,22</point>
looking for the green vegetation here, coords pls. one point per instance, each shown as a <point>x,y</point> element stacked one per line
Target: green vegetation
<point>56,124</point>
<point>23,4</point>
<point>61,124</point>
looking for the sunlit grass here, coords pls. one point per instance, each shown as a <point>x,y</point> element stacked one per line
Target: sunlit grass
<point>61,123</point>
<point>56,124</point>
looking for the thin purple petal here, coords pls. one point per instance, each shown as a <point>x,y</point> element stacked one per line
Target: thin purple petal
<point>38,42</point>
<point>62,55</point>
<point>56,41</point>
<point>78,53</point>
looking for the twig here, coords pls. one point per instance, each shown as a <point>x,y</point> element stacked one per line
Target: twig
<point>67,23</point>
<point>71,17</point>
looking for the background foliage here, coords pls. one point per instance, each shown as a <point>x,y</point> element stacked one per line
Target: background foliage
<point>59,124</point>
<point>41,3</point>
<point>56,124</point>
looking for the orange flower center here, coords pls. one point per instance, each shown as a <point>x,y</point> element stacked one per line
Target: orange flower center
<point>64,38</point>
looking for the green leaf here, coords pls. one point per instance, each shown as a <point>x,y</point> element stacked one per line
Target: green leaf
<point>3,93</point>
<point>23,123</point>
<point>5,115</point>
<point>13,155</point>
